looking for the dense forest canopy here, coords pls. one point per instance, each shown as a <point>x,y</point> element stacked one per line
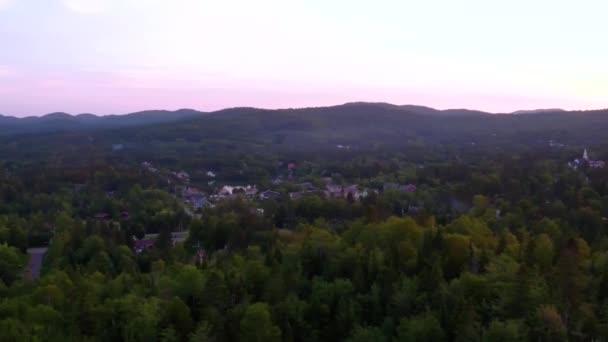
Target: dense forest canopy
<point>361,222</point>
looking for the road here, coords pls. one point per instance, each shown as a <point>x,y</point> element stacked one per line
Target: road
<point>34,263</point>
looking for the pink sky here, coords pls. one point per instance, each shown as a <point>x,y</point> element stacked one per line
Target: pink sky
<point>120,56</point>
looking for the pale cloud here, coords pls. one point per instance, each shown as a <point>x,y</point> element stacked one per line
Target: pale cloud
<point>5,3</point>
<point>7,71</point>
<point>86,6</point>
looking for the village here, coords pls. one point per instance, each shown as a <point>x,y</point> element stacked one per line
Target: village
<point>197,199</point>
<point>284,186</point>
<point>586,161</point>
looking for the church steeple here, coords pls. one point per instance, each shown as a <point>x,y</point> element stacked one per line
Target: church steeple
<point>585,155</point>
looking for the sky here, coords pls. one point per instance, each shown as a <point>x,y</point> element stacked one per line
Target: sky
<point>120,56</point>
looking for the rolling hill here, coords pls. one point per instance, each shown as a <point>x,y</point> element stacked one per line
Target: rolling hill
<point>246,131</point>
<point>65,122</point>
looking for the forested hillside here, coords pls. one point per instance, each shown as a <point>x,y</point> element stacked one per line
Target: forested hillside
<point>63,122</point>
<point>361,222</point>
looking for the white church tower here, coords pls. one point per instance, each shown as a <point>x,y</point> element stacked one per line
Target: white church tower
<point>585,155</point>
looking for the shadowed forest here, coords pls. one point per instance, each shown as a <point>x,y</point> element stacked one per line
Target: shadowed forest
<point>360,222</point>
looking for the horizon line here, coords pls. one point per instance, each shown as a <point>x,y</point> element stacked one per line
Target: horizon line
<point>521,111</point>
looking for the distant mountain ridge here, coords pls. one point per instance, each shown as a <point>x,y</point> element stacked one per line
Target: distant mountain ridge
<point>366,112</point>
<point>295,133</point>
<point>418,109</point>
<point>60,121</point>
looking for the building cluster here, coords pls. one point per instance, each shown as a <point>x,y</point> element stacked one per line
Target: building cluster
<point>147,166</point>
<point>270,194</point>
<point>148,241</point>
<point>585,161</point>
<point>181,176</point>
<point>331,190</point>
<point>230,191</point>
<point>555,144</point>
<point>195,197</point>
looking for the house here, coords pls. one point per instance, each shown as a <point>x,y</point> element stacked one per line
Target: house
<point>593,164</point>
<point>332,190</point>
<point>142,245</point>
<point>353,191</point>
<point>102,216</point>
<point>366,192</point>
<point>211,174</point>
<point>178,237</point>
<point>199,201</point>
<point>597,164</point>
<point>225,191</point>
<point>250,191</point>
<point>228,191</point>
<point>269,194</point>
<point>356,192</point>
<point>195,197</point>
<point>182,175</point>
<point>190,191</point>
<point>295,196</point>
<point>277,181</point>
<point>307,186</point>
<point>148,167</point>
<point>575,164</point>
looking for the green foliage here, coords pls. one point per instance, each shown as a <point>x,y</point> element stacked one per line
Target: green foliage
<point>543,252</point>
<point>256,325</point>
<point>11,264</point>
<point>367,334</point>
<point>510,331</point>
<point>424,327</point>
<point>500,241</point>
